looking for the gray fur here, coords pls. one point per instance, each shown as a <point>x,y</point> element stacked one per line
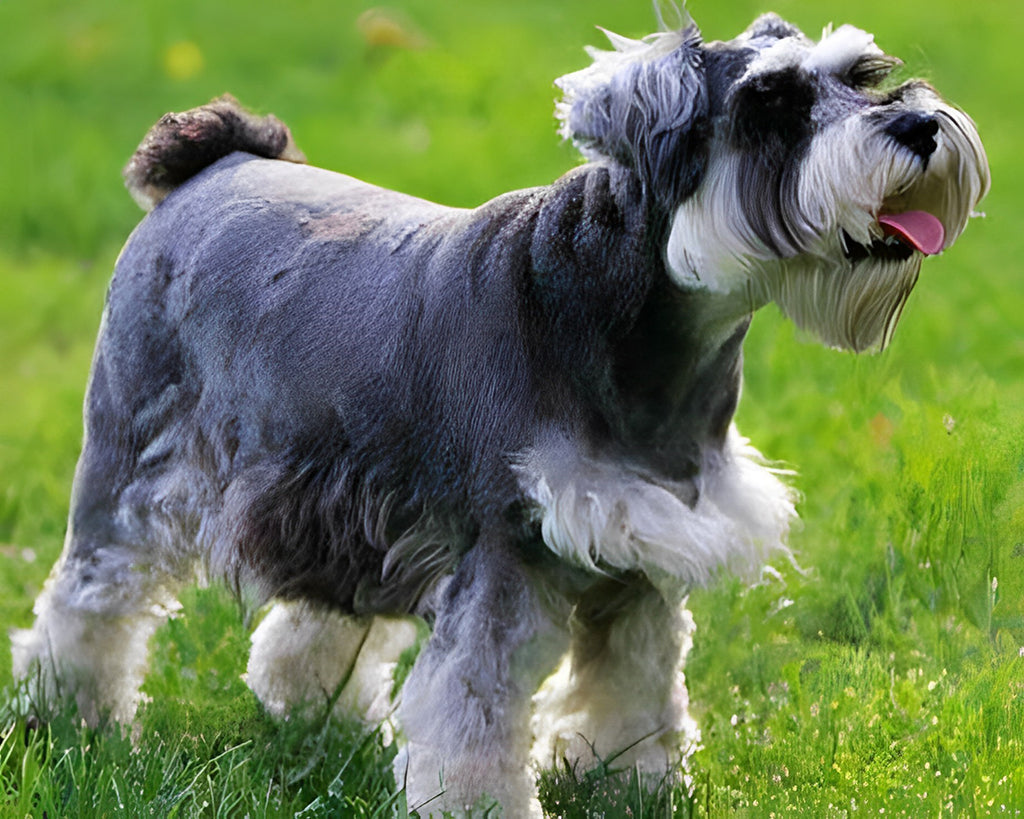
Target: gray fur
<point>516,420</point>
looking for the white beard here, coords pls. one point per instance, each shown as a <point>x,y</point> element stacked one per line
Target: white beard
<point>849,174</point>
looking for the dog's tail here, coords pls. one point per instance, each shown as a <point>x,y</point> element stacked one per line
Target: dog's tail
<point>180,145</point>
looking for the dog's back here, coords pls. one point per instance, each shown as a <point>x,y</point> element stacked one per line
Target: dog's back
<point>275,341</point>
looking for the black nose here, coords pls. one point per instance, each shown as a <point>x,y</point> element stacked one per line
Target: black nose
<point>915,131</point>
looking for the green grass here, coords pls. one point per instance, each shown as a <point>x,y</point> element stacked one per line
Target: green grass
<point>203,747</point>
<point>887,676</point>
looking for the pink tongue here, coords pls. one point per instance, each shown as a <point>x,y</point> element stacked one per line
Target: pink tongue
<point>916,228</point>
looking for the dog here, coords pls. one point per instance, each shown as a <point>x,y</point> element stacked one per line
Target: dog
<point>514,420</point>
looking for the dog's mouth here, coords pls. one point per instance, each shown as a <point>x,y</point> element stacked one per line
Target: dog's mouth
<point>903,235</point>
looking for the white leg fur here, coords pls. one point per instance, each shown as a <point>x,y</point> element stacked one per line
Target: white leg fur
<point>621,695</point>
<point>90,638</point>
<point>301,655</point>
<point>367,694</point>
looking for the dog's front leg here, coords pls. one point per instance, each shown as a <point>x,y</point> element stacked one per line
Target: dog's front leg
<point>465,708</point>
<point>621,696</point>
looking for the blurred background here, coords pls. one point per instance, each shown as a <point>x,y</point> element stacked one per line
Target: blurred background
<point>911,463</point>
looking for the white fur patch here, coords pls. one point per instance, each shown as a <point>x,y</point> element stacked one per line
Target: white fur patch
<point>76,648</point>
<point>839,50</point>
<point>440,788</point>
<point>602,514</point>
<point>835,53</point>
<point>629,703</point>
<point>307,658</point>
<point>712,245</point>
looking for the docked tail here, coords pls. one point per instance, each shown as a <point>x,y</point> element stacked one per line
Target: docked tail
<point>180,145</point>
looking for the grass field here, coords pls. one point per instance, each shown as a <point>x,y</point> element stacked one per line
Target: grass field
<point>886,679</point>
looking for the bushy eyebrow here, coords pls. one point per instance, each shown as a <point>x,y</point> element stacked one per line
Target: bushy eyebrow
<point>839,50</point>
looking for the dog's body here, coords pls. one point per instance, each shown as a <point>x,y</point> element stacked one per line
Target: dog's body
<point>515,420</point>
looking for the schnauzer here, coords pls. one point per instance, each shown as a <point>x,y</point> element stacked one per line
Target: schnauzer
<point>515,420</point>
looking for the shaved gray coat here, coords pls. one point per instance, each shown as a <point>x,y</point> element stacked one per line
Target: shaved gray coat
<point>311,370</point>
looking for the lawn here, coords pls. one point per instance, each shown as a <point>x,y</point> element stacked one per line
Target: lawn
<point>884,677</point>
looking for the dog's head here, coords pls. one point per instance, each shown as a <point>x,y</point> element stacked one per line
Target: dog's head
<point>791,170</point>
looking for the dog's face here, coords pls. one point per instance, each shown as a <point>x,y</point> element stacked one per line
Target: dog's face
<point>793,171</point>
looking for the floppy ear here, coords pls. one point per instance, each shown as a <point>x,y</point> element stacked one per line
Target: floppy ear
<point>645,105</point>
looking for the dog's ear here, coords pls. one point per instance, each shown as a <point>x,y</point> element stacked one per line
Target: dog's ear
<point>645,105</point>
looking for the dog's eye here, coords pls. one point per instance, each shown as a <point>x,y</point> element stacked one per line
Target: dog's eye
<point>773,108</point>
<point>871,70</point>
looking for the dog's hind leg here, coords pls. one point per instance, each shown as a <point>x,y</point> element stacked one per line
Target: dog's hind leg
<point>306,658</point>
<point>115,582</point>
<point>620,697</point>
<point>465,707</point>
<point>94,618</point>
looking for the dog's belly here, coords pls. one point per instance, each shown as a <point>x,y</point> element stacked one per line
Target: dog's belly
<point>283,371</point>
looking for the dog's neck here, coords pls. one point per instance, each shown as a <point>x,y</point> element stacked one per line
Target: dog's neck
<point>657,366</point>
<point>678,376</point>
